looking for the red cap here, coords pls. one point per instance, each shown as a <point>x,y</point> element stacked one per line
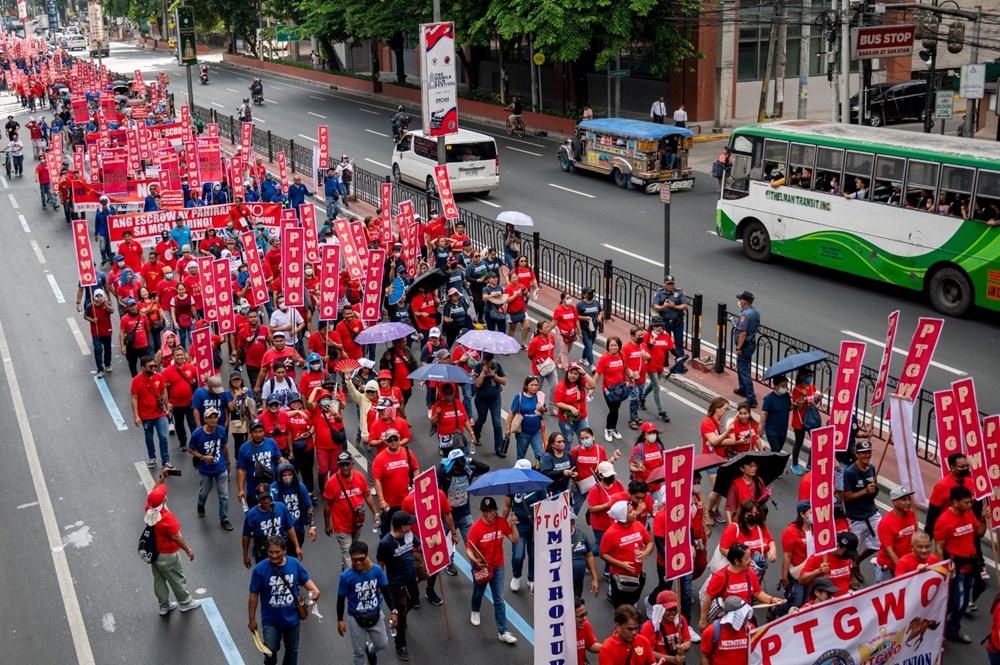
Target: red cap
<point>157,496</point>
<point>385,374</point>
<point>648,427</point>
<point>668,599</point>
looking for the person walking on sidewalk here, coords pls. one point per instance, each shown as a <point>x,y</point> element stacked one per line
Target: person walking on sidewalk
<point>745,343</point>
<point>658,111</point>
<point>166,568</point>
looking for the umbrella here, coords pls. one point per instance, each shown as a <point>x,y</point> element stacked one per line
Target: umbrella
<point>507,482</point>
<point>430,281</point>
<point>770,466</point>
<point>382,333</point>
<point>490,341</point>
<point>397,290</point>
<point>794,362</point>
<point>516,218</point>
<point>441,372</point>
<point>701,462</point>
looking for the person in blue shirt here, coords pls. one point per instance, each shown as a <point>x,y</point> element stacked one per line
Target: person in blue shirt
<point>331,191</point>
<point>745,343</point>
<point>399,554</point>
<point>217,196</point>
<point>256,462</point>
<point>360,591</point>
<point>149,205</point>
<point>287,489</point>
<point>264,520</point>
<point>297,193</point>
<point>267,187</point>
<point>181,233</point>
<point>208,447</point>
<point>774,413</point>
<point>274,585</point>
<point>212,395</point>
<point>102,230</point>
<point>250,194</point>
<point>591,314</point>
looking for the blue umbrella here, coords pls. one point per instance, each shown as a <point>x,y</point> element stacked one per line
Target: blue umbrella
<point>507,482</point>
<point>397,290</point>
<point>490,341</point>
<point>441,372</point>
<point>382,333</point>
<point>794,362</point>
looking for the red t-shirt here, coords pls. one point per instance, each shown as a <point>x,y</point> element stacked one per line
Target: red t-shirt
<point>272,357</point>
<point>424,303</point>
<point>347,331</point>
<point>793,541</point>
<point>647,504</point>
<point>344,496</point>
<point>377,430</point>
<point>488,539</point>
<point>941,494</point>
<point>746,436</point>
<point>584,639</point>
<point>42,171</point>
<point>732,648</point>
<point>738,491</point>
<point>394,472</point>
<point>132,253</point>
<point>599,495</point>
<point>515,298</point>
<point>724,583</point>
<point>799,392</point>
<point>895,532</point>
<point>709,425</point>
<point>615,652</point>
<point>253,341</point>
<point>587,460</point>
<point>840,569</point>
<point>805,486</point>
<point>651,455</point>
<point>299,422</point>
<point>152,275</point>
<point>622,542</point>
<point>179,382</point>
<point>565,318</point>
<point>957,532</point>
<point>452,416</point>
<point>410,507</point>
<point>573,395</point>
<point>539,348</point>
<point>525,276</point>
<point>632,353</point>
<point>670,636</point>
<point>612,368</point>
<point>148,390</point>
<point>658,346</point>
<point>909,563</point>
<point>139,323</point>
<point>103,327</point>
<point>324,437</point>
<point>167,526</point>
<point>758,540</point>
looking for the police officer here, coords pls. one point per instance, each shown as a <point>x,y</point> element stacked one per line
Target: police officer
<point>745,343</point>
<point>670,303</point>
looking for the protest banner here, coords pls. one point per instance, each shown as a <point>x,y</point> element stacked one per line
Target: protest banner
<point>186,120</point>
<point>283,172</point>
<point>899,621</point>
<point>323,133</point>
<point>209,160</point>
<point>555,627</point>
<point>371,305</point>
<point>404,240</point>
<point>114,171</point>
<point>246,141</point>
<point>918,360</point>
<point>257,295</point>
<point>293,266</point>
<point>352,262</point>
<point>845,391</point>
<point>170,164</point>
<point>78,104</point>
<point>95,166</point>
<point>445,192</point>
<point>678,466</point>
<point>308,212</point>
<point>949,435</point>
<point>87,197</point>
<point>206,279</point>
<point>236,176</point>
<point>991,443</point>
<point>171,131</point>
<point>906,448</point>
<point>385,192</point>
<point>213,130</point>
<point>132,147</point>
<point>357,231</point>
<point>146,226</point>
<point>201,354</point>
<point>85,267</point>
<point>191,160</point>
<point>329,274</point>
<point>225,310</point>
<point>427,506</point>
<point>972,435</point>
<point>821,490</point>
<point>78,163</point>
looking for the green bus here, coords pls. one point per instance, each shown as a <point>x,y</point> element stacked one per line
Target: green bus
<point>915,210</point>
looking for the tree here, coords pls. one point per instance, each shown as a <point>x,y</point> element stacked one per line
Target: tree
<point>390,22</point>
<point>326,21</point>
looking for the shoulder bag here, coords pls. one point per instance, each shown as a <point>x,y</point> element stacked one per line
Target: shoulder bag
<point>618,392</point>
<point>357,512</point>
<point>518,419</point>
<point>546,367</point>
<point>148,551</point>
<point>485,574</point>
<point>811,418</point>
<point>300,599</point>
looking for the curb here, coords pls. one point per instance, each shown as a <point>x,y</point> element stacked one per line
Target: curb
<point>709,138</point>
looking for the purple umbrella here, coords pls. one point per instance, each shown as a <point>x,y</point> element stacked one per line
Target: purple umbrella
<point>490,341</point>
<point>382,333</point>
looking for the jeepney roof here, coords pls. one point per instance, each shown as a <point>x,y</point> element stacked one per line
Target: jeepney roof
<point>639,129</point>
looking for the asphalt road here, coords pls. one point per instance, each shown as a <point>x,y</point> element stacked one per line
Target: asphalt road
<point>73,485</point>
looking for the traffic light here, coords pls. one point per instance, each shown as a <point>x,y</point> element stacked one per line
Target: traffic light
<point>956,37</point>
<point>927,26</point>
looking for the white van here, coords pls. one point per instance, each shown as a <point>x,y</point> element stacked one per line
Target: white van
<point>473,162</point>
<point>76,43</point>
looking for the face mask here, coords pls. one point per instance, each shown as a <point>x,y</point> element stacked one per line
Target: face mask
<point>121,264</point>
<point>808,380</point>
<point>287,482</point>
<point>809,520</point>
<point>568,301</point>
<point>782,391</point>
<point>752,519</point>
<point>965,473</point>
<point>315,366</point>
<point>651,438</point>
<point>283,307</point>
<point>324,403</point>
<point>587,443</point>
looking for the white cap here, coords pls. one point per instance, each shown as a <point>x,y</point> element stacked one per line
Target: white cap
<point>434,332</point>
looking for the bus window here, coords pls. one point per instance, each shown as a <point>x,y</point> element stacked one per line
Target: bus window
<point>775,158</point>
<point>956,191</point>
<point>988,197</point>
<point>921,185</point>
<point>737,182</point>
<point>800,161</point>
<point>857,174</point>
<point>888,187</point>
<point>829,164</point>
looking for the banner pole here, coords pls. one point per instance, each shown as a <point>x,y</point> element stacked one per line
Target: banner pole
<point>993,541</point>
<point>444,606</point>
<point>885,449</point>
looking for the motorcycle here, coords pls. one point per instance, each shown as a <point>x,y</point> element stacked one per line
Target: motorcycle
<point>244,114</point>
<point>404,127</point>
<point>258,98</point>
<point>204,78</point>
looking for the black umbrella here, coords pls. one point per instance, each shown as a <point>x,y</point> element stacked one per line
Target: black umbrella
<point>430,281</point>
<point>770,466</point>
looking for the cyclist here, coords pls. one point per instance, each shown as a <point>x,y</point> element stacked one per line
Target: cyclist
<point>515,111</point>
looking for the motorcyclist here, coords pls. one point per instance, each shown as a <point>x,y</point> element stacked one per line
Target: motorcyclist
<point>203,69</point>
<point>245,113</point>
<point>257,89</point>
<point>398,121</point>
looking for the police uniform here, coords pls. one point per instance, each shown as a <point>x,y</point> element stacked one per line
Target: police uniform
<point>748,323</point>
<point>673,319</point>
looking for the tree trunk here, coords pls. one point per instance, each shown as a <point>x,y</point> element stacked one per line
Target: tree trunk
<point>583,65</point>
<point>396,44</point>
<point>329,54</point>
<point>374,44</point>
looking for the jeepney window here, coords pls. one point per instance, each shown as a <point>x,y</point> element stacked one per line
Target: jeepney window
<point>858,175</point>
<point>988,197</point>
<point>829,164</point>
<point>737,182</point>
<point>888,187</point>
<point>955,198</point>
<point>800,164</point>
<point>775,160</point>
<point>921,185</point>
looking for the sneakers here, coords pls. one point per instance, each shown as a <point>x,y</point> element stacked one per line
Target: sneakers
<point>193,605</point>
<point>958,637</point>
<point>402,653</point>
<point>797,470</point>
<point>607,435</point>
<point>433,598</point>
<point>972,607</point>
<point>100,375</point>
<point>642,405</point>
<point>695,637</point>
<point>171,428</point>
<point>415,603</point>
<point>474,619</point>
<point>227,525</point>
<point>507,638</point>
<point>108,369</point>
<point>607,576</point>
<point>515,584</point>
<point>201,511</point>
<point>183,449</point>
<point>451,570</point>
<point>164,611</point>
<point>717,516</point>
<point>370,654</point>
<point>664,417</point>
<point>616,434</point>
<point>167,466</point>
<point>531,587</point>
<point>151,463</point>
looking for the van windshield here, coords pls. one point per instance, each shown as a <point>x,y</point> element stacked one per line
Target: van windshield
<point>472,152</point>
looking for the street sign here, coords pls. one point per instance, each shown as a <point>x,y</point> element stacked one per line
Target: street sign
<point>538,59</point>
<point>665,193</point>
<point>188,51</point>
<point>286,33</point>
<point>619,73</point>
<point>944,105</point>
<point>973,82</point>
<point>887,41</point>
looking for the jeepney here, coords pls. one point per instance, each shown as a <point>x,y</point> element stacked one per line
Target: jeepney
<point>636,154</point>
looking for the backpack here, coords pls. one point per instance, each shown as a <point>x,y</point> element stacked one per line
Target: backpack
<point>148,551</point>
<point>716,634</point>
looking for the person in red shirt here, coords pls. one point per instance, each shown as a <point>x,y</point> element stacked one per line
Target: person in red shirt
<point>745,431</point>
<point>182,380</point>
<point>646,456</point>
<point>275,421</point>
<point>393,471</point>
<point>625,545</point>
<point>517,307</point>
<point>611,369</point>
<point>920,556</point>
<point>955,534</point>
<point>736,579</point>
<point>152,272</point>
<point>389,419</point>
<point>484,547</point>
<point>348,328</point>
<point>449,417</point>
<point>750,530</point>
<point>636,356</point>
<point>747,486</point>
<point>716,439</point>
<point>794,552</point>
<point>134,335</point>
<point>566,321</point>
<point>167,249</point>
<point>131,251</point>
<point>251,344</point>
<point>959,474</point>
<point>587,455</point>
<point>345,497</point>
<point>409,506</point>
<point>835,565</point>
<point>570,398</point>
<point>524,275</point>
<point>658,344</point>
<point>168,574</point>
<point>101,330</point>
<point>626,646</point>
<point>600,500</point>
<point>325,342</point>
<point>328,404</point>
<point>670,635</point>
<point>387,389</point>
<point>586,641</point>
<point>281,354</point>
<point>312,378</point>
<point>150,406</point>
<point>424,307</point>
<point>541,350</point>
<point>300,440</point>
<point>727,640</point>
<point>894,533</point>
<point>44,181</point>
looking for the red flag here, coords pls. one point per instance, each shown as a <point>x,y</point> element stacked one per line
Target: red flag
<point>427,506</point>
<point>822,490</point>
<point>444,191</point>
<point>371,305</point>
<point>324,149</point>
<point>85,267</point>
<point>201,353</point>
<point>224,296</point>
<point>257,295</point>
<point>678,466</point>
<point>329,293</point>
<point>972,434</point>
<point>949,434</point>
<point>283,172</point>
<point>308,212</point>
<point>293,265</point>
<point>845,390</point>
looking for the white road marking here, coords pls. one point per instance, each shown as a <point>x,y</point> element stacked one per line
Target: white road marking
<point>686,401</point>
<point>315,97</point>
<point>489,203</point>
<point>271,101</point>
<point>13,201</point>
<point>385,166</point>
<point>3,181</point>
<point>38,252</point>
<point>276,87</point>
<point>372,131</point>
<point>231,90</point>
<point>240,78</point>
<point>527,152</point>
<point>509,138</point>
<point>55,288</point>
<point>632,254</point>
<point>24,222</point>
<point>900,351</point>
<point>260,120</point>
<point>145,476</point>
<point>71,603</point>
<point>221,106</point>
<point>316,114</point>
<point>309,138</point>
<point>81,341</point>
<point>27,505</point>
<point>368,111</point>
<point>572,191</point>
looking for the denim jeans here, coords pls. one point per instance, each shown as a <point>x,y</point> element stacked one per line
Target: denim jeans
<point>184,337</point>
<point>102,351</point>
<point>524,548</point>
<point>272,636</point>
<point>221,483</point>
<point>499,606</point>
<point>489,407</point>
<point>345,191</point>
<point>160,425</point>
<point>587,339</point>
<point>959,595</point>
<point>634,397</point>
<point>523,440</point>
<point>570,431</point>
<point>332,207</point>
<point>676,329</point>
<point>743,359</point>
<point>45,190</point>
<point>106,254</point>
<point>653,386</point>
<point>467,399</point>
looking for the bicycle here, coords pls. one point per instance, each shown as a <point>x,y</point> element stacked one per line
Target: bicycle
<point>515,127</point>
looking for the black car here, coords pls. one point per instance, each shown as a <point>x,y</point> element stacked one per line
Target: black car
<point>893,102</point>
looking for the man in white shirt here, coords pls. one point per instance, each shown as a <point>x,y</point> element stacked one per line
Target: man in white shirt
<point>680,117</point>
<point>659,110</point>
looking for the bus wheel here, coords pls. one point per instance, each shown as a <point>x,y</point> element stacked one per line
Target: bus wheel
<point>950,291</point>
<point>757,242</point>
<point>620,178</point>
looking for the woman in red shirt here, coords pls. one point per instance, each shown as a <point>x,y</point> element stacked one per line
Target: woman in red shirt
<point>210,244</point>
<point>803,395</point>
<point>611,369</point>
<point>796,547</point>
<point>735,579</point>
<point>748,486</point>
<point>424,307</point>
<point>567,321</point>
<point>647,455</point>
<point>716,439</point>
<point>182,310</point>
<point>300,440</point>
<point>570,399</point>
<point>750,530</point>
<point>745,431</point>
<point>331,438</point>
<point>149,306</point>
<point>517,308</point>
<point>449,416</point>
<point>525,276</point>
<point>542,348</point>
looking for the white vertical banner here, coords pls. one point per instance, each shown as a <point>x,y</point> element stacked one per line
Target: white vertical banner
<point>555,623</point>
<point>438,80</point>
<point>906,448</point>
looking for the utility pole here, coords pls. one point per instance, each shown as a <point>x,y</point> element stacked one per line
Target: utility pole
<point>779,78</point>
<point>725,31</point>
<point>845,61</point>
<point>866,73</point>
<point>618,84</point>
<point>441,139</point>
<point>970,113</point>
<point>804,60</point>
<point>765,79</point>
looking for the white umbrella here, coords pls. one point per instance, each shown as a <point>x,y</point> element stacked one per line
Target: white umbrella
<point>516,218</point>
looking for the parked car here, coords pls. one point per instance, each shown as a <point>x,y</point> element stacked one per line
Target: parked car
<point>893,102</point>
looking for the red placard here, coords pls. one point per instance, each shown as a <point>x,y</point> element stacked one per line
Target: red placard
<point>385,190</point>
<point>206,277</point>
<point>79,105</point>
<point>852,354</point>
<point>821,490</point>
<point>371,304</point>
<point>191,160</point>
<point>308,212</point>
<point>878,394</point>
<point>213,130</point>
<point>949,434</point>
<point>427,506</point>
<point>329,274</point>
<point>357,230</point>
<point>201,354</point>
<point>404,240</point>
<point>257,295</point>
<point>114,171</point>
<point>352,261</point>
<point>209,160</point>
<point>246,141</point>
<point>918,360</point>
<point>170,164</point>
<point>186,120</point>
<point>283,172</point>
<point>132,144</point>
<point>678,467</point>
<point>144,139</point>
<point>323,132</point>
<point>991,441</point>
<point>85,267</point>
<point>445,193</point>
<point>972,434</point>
<point>140,112</point>
<point>293,265</point>
<point>224,296</point>
<point>163,178</point>
<point>78,164</point>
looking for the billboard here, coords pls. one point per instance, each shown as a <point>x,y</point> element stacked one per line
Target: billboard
<point>438,80</point>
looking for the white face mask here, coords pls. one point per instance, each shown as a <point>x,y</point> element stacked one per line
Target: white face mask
<point>283,307</point>
<point>651,438</point>
<point>568,301</point>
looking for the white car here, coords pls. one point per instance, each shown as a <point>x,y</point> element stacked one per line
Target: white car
<point>472,158</point>
<point>76,43</point>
